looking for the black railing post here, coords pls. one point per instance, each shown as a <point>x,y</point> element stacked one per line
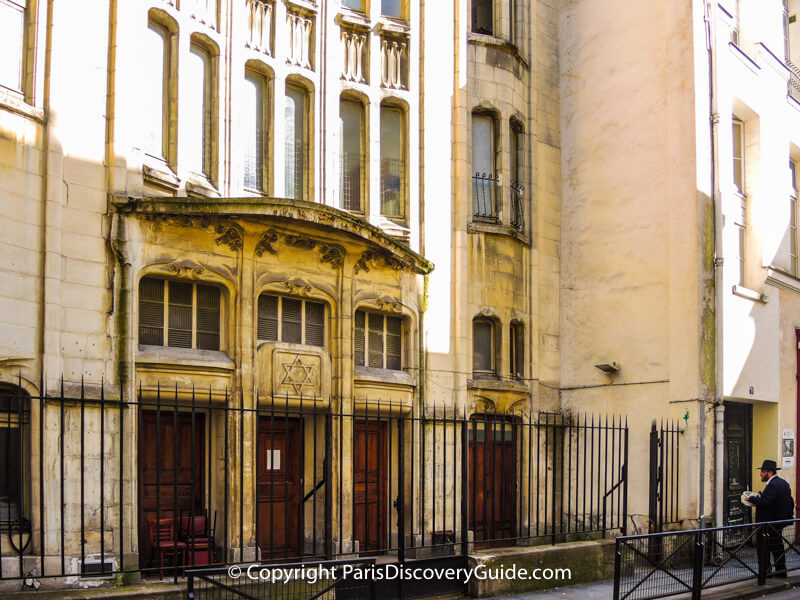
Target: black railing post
<point>401,490</point>
<point>625,484</point>
<point>190,586</point>
<point>328,467</point>
<point>653,482</point>
<point>697,566</point>
<point>617,569</point>
<point>763,556</point>
<point>464,487</point>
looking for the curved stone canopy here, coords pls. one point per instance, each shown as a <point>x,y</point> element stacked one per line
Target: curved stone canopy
<point>266,210</point>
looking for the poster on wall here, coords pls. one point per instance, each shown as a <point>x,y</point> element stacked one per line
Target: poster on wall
<point>788,449</point>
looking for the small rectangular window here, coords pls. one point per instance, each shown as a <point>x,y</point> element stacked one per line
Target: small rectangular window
<point>483,17</point>
<point>12,43</point>
<point>378,341</point>
<point>179,314</point>
<point>738,156</point>
<point>301,321</point>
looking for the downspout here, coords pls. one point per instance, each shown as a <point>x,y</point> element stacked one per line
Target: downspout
<point>719,409</point>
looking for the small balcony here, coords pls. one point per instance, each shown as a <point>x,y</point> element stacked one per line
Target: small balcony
<point>484,195</point>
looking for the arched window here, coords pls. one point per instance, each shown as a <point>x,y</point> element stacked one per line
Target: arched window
<point>483,347</point>
<point>517,349</point>
<point>352,155</point>
<point>393,162</point>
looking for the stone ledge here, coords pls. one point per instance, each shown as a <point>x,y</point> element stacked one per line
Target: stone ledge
<point>588,562</point>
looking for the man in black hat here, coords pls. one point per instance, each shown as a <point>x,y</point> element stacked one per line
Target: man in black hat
<point>774,505</point>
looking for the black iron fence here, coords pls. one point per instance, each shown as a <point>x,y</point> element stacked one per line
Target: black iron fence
<point>176,478</point>
<point>664,483</point>
<point>665,564</point>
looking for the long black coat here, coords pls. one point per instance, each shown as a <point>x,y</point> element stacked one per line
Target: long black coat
<point>775,502</point>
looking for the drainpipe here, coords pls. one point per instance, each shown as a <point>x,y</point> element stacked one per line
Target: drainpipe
<point>719,409</point>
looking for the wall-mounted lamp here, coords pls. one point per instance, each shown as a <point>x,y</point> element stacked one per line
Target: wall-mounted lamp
<point>608,367</point>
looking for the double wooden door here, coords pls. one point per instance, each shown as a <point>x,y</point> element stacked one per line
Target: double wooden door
<point>370,503</point>
<point>279,487</point>
<point>171,468</point>
<point>492,475</point>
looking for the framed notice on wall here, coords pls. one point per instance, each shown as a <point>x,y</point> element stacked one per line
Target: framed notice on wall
<point>787,449</point>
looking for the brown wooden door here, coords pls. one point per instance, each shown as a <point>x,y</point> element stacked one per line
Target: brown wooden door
<point>162,486</point>
<point>279,487</point>
<point>492,473</point>
<point>369,483</point>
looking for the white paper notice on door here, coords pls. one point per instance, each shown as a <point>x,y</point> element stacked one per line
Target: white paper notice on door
<point>273,460</point>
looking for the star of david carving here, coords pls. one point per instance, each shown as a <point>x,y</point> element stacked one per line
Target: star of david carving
<point>297,374</point>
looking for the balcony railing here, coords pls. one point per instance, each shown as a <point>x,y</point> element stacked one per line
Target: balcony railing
<point>517,214</point>
<point>794,80</point>
<point>484,195</point>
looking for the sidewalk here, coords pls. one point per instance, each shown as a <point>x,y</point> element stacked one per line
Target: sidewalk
<point>605,591</point>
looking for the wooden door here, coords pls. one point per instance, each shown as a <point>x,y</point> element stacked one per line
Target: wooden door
<point>163,488</point>
<point>738,460</point>
<point>279,487</point>
<point>369,485</point>
<point>492,473</point>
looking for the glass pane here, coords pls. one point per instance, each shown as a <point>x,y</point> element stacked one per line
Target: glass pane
<point>481,346</point>
<point>738,158</point>
<point>294,142</point>
<point>153,99</point>
<point>253,131</point>
<point>354,4</point>
<point>194,110</point>
<point>351,117</point>
<point>392,8</point>
<point>392,163</point>
<point>12,19</point>
<point>482,145</point>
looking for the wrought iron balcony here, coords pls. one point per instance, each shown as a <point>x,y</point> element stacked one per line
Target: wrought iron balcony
<point>484,195</point>
<point>517,211</point>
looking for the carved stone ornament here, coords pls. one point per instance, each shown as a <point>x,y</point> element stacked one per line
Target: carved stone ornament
<point>487,311</point>
<point>388,303</point>
<point>332,255</point>
<point>388,260</point>
<point>297,286</point>
<point>265,243</point>
<point>186,268</point>
<point>231,237</point>
<point>296,374</point>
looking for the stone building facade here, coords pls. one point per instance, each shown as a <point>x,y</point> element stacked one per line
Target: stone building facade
<point>386,210</point>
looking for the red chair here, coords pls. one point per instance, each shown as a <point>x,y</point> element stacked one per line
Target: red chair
<point>195,532</point>
<point>164,544</point>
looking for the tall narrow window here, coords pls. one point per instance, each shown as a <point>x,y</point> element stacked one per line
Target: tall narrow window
<point>198,111</point>
<point>740,220</point>
<point>179,314</point>
<point>290,320</point>
<point>793,218</point>
<point>378,340</point>
<point>392,8</point>
<point>484,180</point>
<point>483,358</point>
<point>14,402</point>
<point>155,83</point>
<point>482,16</point>
<point>393,167</point>
<point>351,123</point>
<point>515,187</point>
<point>254,138</point>
<point>517,350</point>
<point>12,41</point>
<point>295,138</point>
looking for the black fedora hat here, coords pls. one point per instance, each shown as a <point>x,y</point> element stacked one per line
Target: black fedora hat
<point>769,465</point>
